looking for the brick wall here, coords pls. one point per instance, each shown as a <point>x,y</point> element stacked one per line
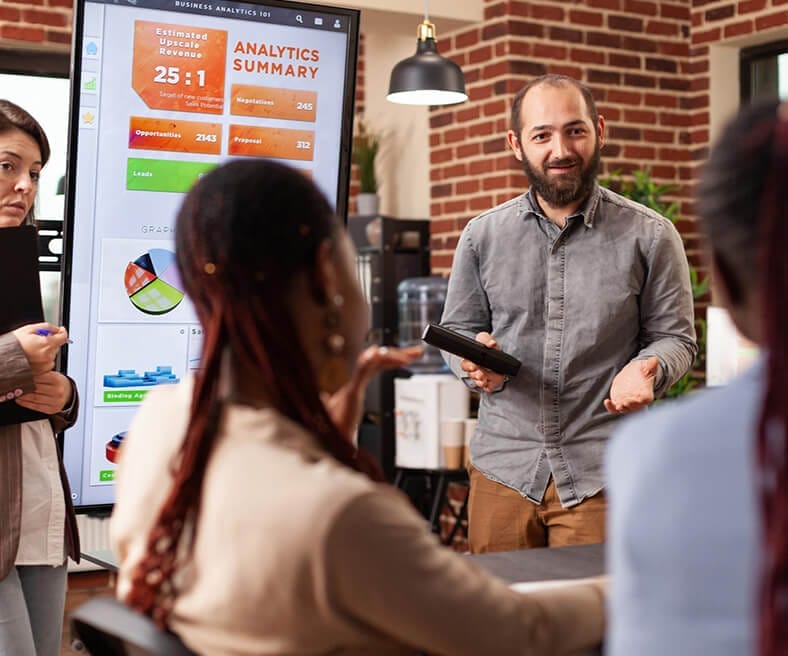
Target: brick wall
<point>36,23</point>
<point>647,63</point>
<point>359,111</point>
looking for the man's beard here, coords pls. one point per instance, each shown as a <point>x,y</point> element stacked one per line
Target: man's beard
<point>566,188</point>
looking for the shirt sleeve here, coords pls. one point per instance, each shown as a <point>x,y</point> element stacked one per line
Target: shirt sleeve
<point>466,309</point>
<point>387,572</point>
<point>667,318</point>
<point>16,377</point>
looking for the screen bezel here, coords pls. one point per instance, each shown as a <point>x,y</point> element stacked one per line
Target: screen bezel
<point>344,163</point>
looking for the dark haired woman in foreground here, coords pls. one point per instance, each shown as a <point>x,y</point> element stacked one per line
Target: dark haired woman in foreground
<point>246,519</point>
<point>702,566</point>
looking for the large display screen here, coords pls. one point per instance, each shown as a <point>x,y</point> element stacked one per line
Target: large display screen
<point>163,91</point>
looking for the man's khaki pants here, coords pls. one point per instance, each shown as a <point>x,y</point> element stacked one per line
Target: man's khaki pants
<point>501,519</point>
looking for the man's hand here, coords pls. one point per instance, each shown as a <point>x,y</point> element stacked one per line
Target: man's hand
<point>345,405</point>
<point>486,380</point>
<point>52,394</point>
<point>41,349</point>
<point>633,386</point>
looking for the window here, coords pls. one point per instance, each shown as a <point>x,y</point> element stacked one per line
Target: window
<point>764,72</point>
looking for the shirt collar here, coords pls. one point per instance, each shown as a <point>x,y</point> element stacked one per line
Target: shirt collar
<point>527,204</point>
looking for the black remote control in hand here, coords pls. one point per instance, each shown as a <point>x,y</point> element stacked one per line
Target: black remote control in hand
<point>470,349</point>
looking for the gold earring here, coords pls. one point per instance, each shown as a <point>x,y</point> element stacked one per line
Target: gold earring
<point>334,370</point>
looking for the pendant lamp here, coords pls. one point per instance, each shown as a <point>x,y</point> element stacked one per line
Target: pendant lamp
<point>426,78</point>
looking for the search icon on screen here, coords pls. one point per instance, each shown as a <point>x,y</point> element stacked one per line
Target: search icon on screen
<point>299,19</point>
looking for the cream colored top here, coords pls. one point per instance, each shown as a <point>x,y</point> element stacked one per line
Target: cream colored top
<point>42,536</point>
<point>296,554</point>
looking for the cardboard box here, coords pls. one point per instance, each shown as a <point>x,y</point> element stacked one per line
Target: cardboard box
<point>421,402</point>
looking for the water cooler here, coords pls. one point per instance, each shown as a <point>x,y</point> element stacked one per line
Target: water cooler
<point>432,394</point>
<point>424,404</point>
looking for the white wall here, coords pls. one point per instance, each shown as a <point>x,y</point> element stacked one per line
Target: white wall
<point>403,164</point>
<point>404,169</point>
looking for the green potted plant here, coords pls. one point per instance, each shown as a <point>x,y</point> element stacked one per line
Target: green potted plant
<point>366,145</point>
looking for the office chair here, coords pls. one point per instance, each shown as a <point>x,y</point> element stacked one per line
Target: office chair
<point>107,627</point>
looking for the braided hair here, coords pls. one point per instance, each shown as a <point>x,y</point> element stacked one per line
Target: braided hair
<point>243,233</point>
<point>743,204</point>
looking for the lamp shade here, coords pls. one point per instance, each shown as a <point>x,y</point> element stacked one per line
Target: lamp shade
<point>426,78</point>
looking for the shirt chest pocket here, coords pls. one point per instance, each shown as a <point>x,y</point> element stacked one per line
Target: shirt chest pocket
<point>516,290</point>
<point>603,292</point>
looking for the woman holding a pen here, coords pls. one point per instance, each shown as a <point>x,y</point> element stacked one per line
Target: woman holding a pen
<point>38,523</point>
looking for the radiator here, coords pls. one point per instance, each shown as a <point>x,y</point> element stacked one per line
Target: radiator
<point>93,535</point>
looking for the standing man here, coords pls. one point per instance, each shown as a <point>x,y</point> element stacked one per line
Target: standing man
<point>591,292</point>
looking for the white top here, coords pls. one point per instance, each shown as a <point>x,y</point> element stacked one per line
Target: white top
<point>42,534</point>
<point>683,547</point>
<point>296,554</point>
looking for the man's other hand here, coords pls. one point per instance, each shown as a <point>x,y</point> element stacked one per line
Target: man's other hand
<point>633,386</point>
<point>486,380</point>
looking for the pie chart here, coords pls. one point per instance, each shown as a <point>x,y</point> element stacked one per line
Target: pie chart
<point>152,282</point>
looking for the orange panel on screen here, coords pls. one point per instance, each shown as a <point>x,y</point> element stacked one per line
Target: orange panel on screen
<point>271,142</point>
<point>175,135</point>
<point>179,67</point>
<point>271,102</point>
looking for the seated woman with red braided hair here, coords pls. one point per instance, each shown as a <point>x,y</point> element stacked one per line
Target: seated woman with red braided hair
<point>246,519</point>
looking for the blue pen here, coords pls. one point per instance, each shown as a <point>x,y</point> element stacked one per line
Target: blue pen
<point>45,332</point>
